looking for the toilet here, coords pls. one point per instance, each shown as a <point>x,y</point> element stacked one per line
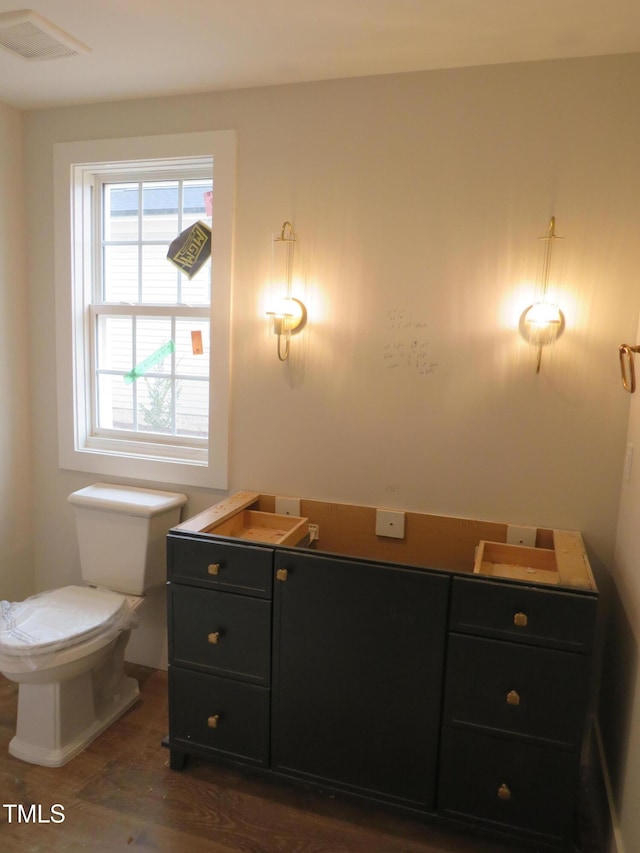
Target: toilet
<point>65,647</point>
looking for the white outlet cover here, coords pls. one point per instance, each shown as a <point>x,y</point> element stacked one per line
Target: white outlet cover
<point>522,535</point>
<point>288,506</point>
<point>390,523</point>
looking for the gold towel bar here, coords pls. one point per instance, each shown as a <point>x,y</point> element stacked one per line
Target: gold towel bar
<point>626,352</point>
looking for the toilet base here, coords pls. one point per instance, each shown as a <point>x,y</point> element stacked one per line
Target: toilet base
<point>57,721</point>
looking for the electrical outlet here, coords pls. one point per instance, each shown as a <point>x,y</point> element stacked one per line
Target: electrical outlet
<point>288,506</point>
<point>521,535</point>
<point>314,532</point>
<point>390,523</point>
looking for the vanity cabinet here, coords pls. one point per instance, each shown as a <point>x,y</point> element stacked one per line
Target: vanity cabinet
<point>358,652</point>
<point>516,691</point>
<point>457,694</point>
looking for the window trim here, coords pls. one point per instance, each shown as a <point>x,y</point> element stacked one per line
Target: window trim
<point>73,163</point>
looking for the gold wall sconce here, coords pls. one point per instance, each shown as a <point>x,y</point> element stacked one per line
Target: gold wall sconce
<point>627,367</point>
<point>543,322</point>
<point>289,314</point>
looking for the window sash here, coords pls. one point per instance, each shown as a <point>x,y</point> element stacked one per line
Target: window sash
<point>173,314</point>
<point>143,179</point>
<point>161,417</point>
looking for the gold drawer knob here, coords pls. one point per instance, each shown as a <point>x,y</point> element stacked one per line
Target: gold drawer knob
<point>212,721</point>
<point>213,568</point>
<point>282,574</point>
<point>504,792</point>
<point>513,697</point>
<point>520,619</point>
<point>214,637</point>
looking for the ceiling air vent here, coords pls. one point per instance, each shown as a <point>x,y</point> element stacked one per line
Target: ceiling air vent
<point>32,37</point>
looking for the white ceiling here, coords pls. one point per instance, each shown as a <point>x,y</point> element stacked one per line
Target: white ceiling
<point>143,48</point>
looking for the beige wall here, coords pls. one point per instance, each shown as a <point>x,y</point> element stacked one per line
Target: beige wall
<point>620,697</point>
<point>417,200</point>
<point>16,564</point>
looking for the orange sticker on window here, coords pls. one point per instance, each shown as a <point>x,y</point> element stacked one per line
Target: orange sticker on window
<point>196,343</point>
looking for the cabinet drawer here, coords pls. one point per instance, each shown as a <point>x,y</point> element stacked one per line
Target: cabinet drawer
<point>506,784</point>
<point>516,689</point>
<point>219,716</point>
<point>220,565</point>
<point>222,633</point>
<point>516,612</point>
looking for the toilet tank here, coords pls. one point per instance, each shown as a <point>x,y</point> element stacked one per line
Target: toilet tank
<point>122,535</point>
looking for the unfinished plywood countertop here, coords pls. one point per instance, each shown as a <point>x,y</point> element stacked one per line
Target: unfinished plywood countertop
<point>430,541</point>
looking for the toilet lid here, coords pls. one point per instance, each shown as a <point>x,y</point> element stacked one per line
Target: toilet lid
<point>58,618</point>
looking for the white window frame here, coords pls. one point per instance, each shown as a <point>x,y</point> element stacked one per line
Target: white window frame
<point>78,449</point>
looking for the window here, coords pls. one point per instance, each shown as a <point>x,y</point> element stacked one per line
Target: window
<point>143,349</point>
<point>150,322</point>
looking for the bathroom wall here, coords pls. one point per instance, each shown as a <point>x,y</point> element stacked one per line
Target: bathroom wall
<point>16,521</point>
<point>619,718</point>
<point>418,201</point>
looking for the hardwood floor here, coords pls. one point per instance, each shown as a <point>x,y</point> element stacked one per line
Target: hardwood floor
<point>120,795</point>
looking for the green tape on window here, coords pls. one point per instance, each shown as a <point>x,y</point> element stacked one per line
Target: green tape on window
<point>149,362</point>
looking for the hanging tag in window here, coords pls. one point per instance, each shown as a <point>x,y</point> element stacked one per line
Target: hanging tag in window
<point>196,343</point>
<point>191,249</point>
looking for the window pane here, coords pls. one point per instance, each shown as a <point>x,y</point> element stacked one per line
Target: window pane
<point>155,405</point>
<point>192,408</point>
<point>152,336</point>
<point>115,343</point>
<point>120,274</point>
<point>115,403</point>
<point>160,210</point>
<point>198,290</point>
<point>121,207</point>
<point>193,202</point>
<point>159,276</point>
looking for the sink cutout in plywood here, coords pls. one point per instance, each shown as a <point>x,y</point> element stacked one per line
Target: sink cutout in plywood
<point>267,527</point>
<point>519,562</point>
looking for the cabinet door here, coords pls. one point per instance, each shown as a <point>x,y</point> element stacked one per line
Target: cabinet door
<point>358,659</point>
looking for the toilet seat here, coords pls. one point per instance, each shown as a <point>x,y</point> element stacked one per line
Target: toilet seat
<point>52,621</point>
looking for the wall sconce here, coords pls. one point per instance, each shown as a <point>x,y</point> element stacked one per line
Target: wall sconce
<point>543,322</point>
<point>289,315</point>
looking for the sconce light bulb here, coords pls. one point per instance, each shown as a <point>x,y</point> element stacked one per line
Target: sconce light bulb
<point>289,315</point>
<point>541,324</point>
<point>543,314</point>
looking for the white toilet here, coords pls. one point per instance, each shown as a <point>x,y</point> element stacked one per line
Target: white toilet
<point>65,647</point>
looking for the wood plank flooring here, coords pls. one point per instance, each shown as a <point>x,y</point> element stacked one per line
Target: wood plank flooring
<point>121,795</point>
